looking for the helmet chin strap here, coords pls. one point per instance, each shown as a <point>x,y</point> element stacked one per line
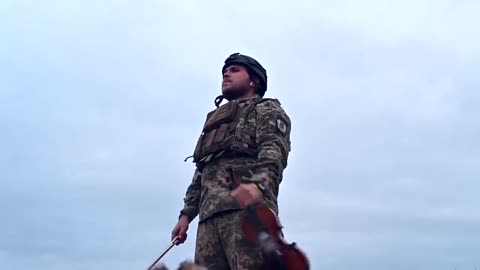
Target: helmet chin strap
<point>232,96</point>
<point>219,100</point>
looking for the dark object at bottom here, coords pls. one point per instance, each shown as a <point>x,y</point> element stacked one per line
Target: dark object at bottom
<point>261,225</point>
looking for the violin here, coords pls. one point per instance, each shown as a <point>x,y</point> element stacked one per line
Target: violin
<point>262,226</point>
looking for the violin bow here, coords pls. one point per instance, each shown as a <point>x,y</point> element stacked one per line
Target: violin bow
<point>163,254</point>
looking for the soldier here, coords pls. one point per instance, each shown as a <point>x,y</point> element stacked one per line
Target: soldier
<point>247,138</point>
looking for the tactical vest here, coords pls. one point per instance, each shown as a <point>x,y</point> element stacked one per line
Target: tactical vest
<point>224,131</point>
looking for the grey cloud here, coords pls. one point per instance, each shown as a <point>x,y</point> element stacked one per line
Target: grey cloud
<point>384,164</point>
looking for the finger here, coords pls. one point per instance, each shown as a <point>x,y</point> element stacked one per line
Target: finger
<point>174,234</point>
<point>244,201</point>
<point>182,234</point>
<point>251,200</point>
<point>177,241</point>
<point>176,231</point>
<point>180,239</point>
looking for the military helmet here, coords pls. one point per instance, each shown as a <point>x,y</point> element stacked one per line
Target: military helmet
<point>254,69</point>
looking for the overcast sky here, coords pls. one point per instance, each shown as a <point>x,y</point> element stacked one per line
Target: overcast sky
<point>102,100</point>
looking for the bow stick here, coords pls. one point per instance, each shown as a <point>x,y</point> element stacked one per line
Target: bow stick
<point>163,254</point>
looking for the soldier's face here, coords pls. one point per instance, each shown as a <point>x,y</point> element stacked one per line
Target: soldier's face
<point>236,82</point>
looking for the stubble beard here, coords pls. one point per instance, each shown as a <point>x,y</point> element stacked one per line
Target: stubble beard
<point>234,93</point>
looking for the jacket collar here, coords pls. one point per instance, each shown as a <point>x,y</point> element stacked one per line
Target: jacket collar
<point>248,99</point>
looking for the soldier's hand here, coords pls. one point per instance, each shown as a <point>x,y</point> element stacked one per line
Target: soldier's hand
<point>247,194</point>
<point>180,230</point>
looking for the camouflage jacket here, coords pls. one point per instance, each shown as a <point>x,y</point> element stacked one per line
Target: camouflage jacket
<point>209,190</point>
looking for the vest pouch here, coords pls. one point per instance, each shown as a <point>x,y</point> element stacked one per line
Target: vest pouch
<point>224,114</point>
<point>198,148</point>
<point>221,134</point>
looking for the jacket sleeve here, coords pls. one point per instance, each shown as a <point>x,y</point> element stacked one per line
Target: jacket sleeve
<point>192,197</point>
<point>273,140</point>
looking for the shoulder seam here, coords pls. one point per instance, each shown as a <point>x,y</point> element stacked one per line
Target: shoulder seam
<point>274,100</point>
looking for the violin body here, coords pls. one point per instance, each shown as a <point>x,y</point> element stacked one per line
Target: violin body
<point>262,226</point>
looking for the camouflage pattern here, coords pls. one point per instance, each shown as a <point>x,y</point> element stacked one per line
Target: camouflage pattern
<point>219,240</point>
<point>221,244</point>
<point>209,191</point>
<point>224,131</point>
